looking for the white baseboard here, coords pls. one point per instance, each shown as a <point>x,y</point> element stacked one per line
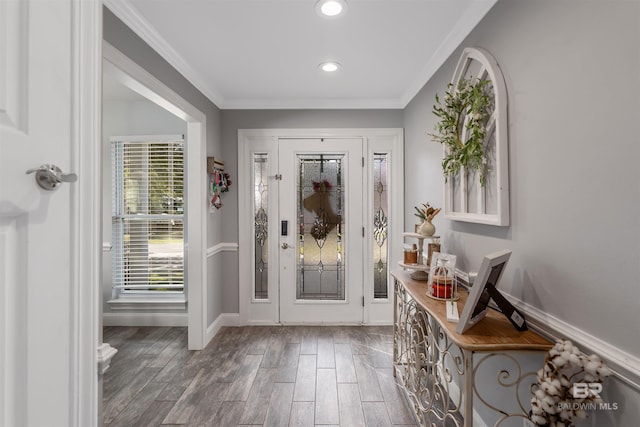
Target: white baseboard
<point>224,319</point>
<point>144,319</point>
<point>379,323</point>
<point>261,323</point>
<point>272,323</point>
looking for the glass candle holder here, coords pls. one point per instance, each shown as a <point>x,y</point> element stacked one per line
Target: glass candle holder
<point>442,281</point>
<point>410,256</point>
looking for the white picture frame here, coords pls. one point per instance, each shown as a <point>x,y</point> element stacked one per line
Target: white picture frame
<point>464,198</point>
<point>491,271</point>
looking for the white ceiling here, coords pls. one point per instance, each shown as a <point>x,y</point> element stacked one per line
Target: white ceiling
<point>265,53</point>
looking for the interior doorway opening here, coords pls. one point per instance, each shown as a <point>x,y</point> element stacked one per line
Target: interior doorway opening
<point>187,311</point>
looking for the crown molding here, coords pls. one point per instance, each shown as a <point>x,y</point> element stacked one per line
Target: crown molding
<point>314,103</point>
<point>132,18</point>
<point>126,12</point>
<point>455,38</point>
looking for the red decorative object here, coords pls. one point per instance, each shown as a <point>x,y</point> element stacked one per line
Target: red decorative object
<point>441,291</point>
<point>322,185</point>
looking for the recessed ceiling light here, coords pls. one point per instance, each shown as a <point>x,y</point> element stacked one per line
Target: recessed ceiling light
<point>329,67</point>
<point>331,8</point>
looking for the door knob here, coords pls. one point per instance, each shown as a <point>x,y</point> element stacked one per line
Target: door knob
<point>49,177</point>
<point>285,245</point>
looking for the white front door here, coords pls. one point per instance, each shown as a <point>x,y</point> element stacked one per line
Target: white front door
<point>40,101</point>
<point>320,215</point>
<point>321,230</point>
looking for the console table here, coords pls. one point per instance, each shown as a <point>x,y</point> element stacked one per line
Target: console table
<point>439,369</point>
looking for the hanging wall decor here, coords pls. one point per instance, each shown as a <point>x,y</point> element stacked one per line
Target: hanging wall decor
<point>219,182</point>
<point>473,130</point>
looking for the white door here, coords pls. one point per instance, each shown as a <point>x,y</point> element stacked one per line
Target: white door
<point>38,346</point>
<point>321,230</point>
<point>342,224</point>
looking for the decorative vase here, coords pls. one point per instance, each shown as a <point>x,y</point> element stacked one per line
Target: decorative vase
<point>426,229</point>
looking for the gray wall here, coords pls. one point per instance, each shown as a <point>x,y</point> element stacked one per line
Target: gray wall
<point>122,38</point>
<point>571,70</point>
<point>232,120</point>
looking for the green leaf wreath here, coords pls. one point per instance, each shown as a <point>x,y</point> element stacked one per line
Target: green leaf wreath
<point>466,106</point>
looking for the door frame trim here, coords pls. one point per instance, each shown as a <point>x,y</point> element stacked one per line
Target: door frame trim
<point>245,139</point>
<point>141,81</point>
<point>86,208</point>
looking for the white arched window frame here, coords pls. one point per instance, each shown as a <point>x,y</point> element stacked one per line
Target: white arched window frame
<point>465,198</point>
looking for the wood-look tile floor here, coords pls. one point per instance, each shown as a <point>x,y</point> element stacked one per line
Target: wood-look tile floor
<point>260,375</point>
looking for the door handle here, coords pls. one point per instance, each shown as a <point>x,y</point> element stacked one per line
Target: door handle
<point>49,177</point>
<point>285,245</point>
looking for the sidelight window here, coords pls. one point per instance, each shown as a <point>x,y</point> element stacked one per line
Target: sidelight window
<point>380,226</point>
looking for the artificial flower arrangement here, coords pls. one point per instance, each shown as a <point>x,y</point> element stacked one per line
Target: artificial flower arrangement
<point>426,212</point>
<point>465,106</point>
<point>554,402</point>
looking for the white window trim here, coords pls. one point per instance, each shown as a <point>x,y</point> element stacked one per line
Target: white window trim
<point>148,303</point>
<point>151,300</point>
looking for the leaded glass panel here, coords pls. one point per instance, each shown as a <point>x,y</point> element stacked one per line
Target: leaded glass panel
<point>260,224</point>
<point>380,226</point>
<point>320,228</point>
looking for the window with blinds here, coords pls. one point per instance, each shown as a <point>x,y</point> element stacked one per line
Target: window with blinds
<point>148,216</point>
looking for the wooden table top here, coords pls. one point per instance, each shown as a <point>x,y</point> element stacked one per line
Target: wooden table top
<point>493,333</point>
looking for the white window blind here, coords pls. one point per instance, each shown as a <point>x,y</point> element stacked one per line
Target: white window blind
<point>148,216</point>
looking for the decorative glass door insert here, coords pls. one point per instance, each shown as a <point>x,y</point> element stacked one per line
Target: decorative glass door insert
<point>261,225</point>
<point>320,227</point>
<point>380,227</point>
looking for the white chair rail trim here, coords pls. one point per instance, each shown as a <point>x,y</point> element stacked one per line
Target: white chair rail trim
<point>624,365</point>
<point>222,247</point>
